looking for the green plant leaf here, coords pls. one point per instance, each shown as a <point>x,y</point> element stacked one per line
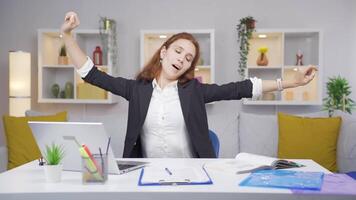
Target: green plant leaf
<point>54,154</point>
<point>338,91</point>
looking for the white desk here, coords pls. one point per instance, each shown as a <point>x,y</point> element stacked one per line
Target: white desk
<point>28,182</point>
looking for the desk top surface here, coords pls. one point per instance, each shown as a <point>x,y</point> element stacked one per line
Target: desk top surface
<point>29,179</point>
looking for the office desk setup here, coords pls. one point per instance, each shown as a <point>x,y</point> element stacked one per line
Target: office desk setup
<point>28,182</point>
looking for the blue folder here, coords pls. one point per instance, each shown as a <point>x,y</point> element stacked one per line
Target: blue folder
<point>285,179</point>
<point>186,181</point>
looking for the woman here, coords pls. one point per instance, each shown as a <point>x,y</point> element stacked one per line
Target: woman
<point>167,116</point>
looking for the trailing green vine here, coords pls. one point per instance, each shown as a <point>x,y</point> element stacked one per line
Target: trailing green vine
<point>245,29</point>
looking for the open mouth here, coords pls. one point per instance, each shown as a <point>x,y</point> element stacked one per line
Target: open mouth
<point>176,67</point>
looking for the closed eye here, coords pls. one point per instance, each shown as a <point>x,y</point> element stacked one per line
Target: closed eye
<point>188,58</point>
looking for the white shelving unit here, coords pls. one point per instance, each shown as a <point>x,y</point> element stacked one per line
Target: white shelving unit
<point>151,40</point>
<point>283,46</point>
<point>50,72</point>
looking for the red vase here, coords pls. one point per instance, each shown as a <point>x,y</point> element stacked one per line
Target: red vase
<point>98,56</point>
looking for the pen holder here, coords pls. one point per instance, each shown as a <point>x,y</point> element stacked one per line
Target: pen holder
<point>95,169</point>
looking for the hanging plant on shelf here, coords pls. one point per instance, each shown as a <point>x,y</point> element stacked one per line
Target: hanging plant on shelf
<point>245,29</point>
<point>338,91</point>
<point>107,29</point>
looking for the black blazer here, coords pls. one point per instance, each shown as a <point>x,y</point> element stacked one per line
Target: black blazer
<point>193,96</point>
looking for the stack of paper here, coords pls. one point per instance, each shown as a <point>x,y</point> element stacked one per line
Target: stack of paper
<point>157,175</point>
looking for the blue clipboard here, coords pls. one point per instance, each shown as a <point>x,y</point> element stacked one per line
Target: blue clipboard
<point>163,182</point>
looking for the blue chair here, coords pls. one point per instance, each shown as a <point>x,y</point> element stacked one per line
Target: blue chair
<point>215,141</point>
<point>352,174</point>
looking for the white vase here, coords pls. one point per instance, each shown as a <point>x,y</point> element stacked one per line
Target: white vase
<point>53,173</point>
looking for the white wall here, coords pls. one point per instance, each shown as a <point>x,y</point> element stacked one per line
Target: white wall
<point>20,19</point>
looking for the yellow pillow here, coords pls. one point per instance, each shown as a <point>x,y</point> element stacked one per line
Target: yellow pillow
<point>21,145</point>
<point>309,138</point>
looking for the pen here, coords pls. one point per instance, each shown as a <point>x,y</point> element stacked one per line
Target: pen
<point>107,147</point>
<point>102,162</point>
<point>168,171</point>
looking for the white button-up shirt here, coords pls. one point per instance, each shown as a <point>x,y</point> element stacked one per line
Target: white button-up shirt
<point>164,133</point>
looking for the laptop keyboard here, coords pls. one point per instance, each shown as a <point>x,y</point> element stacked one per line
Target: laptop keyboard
<point>125,166</point>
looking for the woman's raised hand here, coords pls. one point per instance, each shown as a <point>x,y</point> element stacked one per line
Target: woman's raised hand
<point>71,21</point>
<point>304,76</point>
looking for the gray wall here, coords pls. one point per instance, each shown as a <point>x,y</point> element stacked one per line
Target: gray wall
<point>20,19</point>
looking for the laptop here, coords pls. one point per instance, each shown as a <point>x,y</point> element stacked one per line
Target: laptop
<point>93,135</point>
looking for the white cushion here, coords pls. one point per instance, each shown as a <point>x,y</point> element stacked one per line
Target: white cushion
<point>346,146</point>
<point>3,158</point>
<point>258,134</point>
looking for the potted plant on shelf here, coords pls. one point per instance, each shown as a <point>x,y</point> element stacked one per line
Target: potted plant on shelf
<point>338,91</point>
<point>63,59</point>
<point>53,156</point>
<point>245,29</point>
<point>262,58</point>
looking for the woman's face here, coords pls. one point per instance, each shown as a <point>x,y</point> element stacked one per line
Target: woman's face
<point>177,59</point>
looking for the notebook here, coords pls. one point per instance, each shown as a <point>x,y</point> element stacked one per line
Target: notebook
<point>91,134</point>
<point>247,162</point>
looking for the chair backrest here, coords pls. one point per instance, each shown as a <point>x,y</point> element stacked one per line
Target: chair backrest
<point>215,141</point>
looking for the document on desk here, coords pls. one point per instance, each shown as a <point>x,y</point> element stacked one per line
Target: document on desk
<point>177,175</point>
<point>247,162</point>
<point>285,179</point>
<point>337,184</point>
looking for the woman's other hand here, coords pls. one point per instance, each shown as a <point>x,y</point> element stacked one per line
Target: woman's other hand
<point>305,75</point>
<point>71,21</point>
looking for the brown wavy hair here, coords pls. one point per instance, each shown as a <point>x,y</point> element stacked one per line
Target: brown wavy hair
<point>153,68</point>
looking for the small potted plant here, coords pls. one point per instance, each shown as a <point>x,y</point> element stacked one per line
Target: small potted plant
<point>63,59</point>
<point>338,91</point>
<point>53,156</point>
<point>262,58</point>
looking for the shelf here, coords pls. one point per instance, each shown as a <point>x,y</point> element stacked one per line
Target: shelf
<point>283,46</point>
<point>297,103</point>
<point>264,67</point>
<point>75,101</point>
<point>274,42</point>
<point>51,73</point>
<point>307,43</point>
<point>58,66</point>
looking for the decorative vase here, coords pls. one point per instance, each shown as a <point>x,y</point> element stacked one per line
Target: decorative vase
<point>55,90</point>
<point>251,24</point>
<point>262,60</point>
<point>289,96</point>
<point>63,60</point>
<point>68,90</point>
<point>98,56</point>
<point>306,96</point>
<point>62,94</point>
<point>53,173</point>
<point>270,96</point>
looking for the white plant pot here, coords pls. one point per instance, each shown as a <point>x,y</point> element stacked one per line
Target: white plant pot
<point>53,173</point>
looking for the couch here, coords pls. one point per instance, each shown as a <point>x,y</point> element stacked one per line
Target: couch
<point>257,134</point>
